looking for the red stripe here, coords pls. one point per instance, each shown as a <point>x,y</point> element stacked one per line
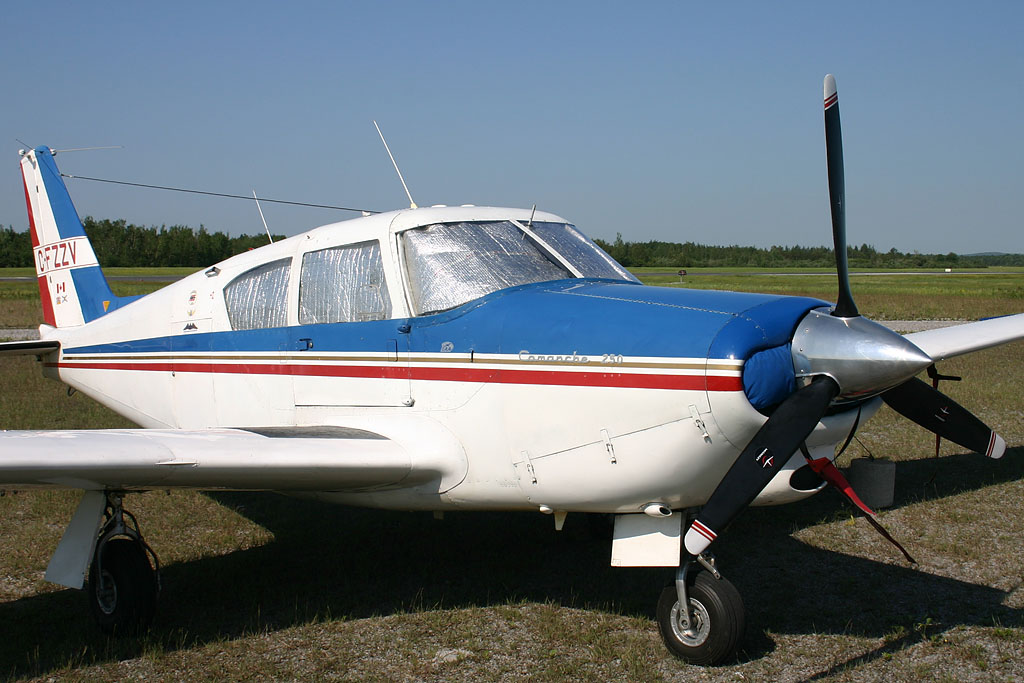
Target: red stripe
<point>31,219</point>
<point>491,375</point>
<point>47,301</point>
<point>991,444</point>
<point>704,531</point>
<point>833,98</point>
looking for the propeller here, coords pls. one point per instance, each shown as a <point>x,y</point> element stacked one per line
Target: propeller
<point>938,413</point>
<point>845,308</point>
<point>837,356</point>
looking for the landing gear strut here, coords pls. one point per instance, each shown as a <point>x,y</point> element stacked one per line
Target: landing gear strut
<point>123,585</point>
<point>707,633</point>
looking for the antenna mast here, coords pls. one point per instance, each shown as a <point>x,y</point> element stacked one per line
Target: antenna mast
<point>258,208</point>
<point>412,204</point>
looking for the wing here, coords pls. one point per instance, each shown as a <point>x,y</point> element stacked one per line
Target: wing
<point>948,342</point>
<point>275,458</point>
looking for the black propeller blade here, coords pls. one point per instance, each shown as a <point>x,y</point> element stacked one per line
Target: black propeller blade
<point>845,308</point>
<point>940,414</point>
<point>761,460</point>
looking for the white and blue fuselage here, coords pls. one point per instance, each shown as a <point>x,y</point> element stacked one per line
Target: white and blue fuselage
<point>575,393</point>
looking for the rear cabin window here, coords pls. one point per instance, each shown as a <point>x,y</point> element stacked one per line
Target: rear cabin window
<point>258,298</point>
<point>343,284</point>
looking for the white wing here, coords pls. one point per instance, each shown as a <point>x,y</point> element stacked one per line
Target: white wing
<point>948,342</point>
<point>276,458</point>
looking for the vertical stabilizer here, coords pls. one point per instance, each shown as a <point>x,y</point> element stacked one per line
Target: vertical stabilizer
<point>72,287</point>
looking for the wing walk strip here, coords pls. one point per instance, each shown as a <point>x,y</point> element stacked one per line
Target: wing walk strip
<point>694,376</point>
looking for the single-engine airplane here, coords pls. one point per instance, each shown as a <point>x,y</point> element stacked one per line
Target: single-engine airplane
<point>461,358</point>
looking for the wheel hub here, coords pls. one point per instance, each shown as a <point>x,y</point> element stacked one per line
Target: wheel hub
<point>700,624</point>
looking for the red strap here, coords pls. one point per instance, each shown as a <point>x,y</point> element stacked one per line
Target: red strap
<point>828,471</point>
<point>824,468</point>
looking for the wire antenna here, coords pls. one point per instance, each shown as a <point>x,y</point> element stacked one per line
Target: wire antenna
<point>412,204</point>
<point>215,194</point>
<point>84,149</point>
<point>260,209</point>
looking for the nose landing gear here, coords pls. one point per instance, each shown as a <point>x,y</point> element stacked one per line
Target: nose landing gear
<point>708,632</point>
<point>123,585</point>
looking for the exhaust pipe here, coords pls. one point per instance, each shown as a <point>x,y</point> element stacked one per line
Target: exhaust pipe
<point>657,510</point>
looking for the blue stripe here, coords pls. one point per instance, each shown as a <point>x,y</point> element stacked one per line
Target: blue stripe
<point>68,224</point>
<point>587,317</point>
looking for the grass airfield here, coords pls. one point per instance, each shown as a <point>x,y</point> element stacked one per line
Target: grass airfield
<point>259,586</point>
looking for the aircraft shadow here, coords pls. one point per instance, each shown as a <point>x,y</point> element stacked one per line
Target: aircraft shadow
<point>333,562</point>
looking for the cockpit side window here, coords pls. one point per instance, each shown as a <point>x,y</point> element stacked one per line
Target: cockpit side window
<point>343,284</point>
<point>258,298</point>
<point>452,263</point>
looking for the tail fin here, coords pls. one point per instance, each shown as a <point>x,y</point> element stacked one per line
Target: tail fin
<point>71,284</point>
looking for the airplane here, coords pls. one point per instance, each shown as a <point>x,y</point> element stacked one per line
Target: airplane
<point>461,358</point>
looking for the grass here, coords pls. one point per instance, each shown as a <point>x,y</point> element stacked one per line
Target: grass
<point>882,297</point>
<point>163,272</point>
<point>258,586</point>
<point>19,301</point>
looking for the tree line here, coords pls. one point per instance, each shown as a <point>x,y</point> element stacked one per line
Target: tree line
<point>118,243</point>
<point>694,255</point>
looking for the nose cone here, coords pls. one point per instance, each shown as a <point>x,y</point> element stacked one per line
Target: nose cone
<point>861,355</point>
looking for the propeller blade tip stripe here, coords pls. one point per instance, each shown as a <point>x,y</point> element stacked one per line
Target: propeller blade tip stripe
<point>996,447</point>
<point>831,101</point>
<point>698,538</point>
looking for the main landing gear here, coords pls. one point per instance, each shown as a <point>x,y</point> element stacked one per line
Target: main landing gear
<point>707,633</point>
<point>123,585</point>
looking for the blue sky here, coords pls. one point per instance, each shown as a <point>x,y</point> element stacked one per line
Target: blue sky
<point>674,121</point>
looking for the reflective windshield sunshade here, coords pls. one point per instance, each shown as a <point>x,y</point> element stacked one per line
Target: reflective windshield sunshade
<point>258,298</point>
<point>343,284</point>
<point>452,263</point>
<point>580,251</point>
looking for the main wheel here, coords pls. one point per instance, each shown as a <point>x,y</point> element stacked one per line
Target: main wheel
<point>716,623</point>
<point>122,588</point>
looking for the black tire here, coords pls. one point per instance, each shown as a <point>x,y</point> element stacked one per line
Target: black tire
<point>718,620</point>
<point>124,602</point>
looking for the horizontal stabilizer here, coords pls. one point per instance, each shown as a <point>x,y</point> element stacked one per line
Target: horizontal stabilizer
<point>34,347</point>
<point>274,459</point>
<point>948,342</point>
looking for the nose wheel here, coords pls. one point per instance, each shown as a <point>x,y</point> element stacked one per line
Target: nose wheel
<point>709,631</point>
<point>123,584</point>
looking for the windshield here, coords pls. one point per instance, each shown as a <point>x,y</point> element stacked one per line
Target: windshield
<point>452,263</point>
<point>580,251</point>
